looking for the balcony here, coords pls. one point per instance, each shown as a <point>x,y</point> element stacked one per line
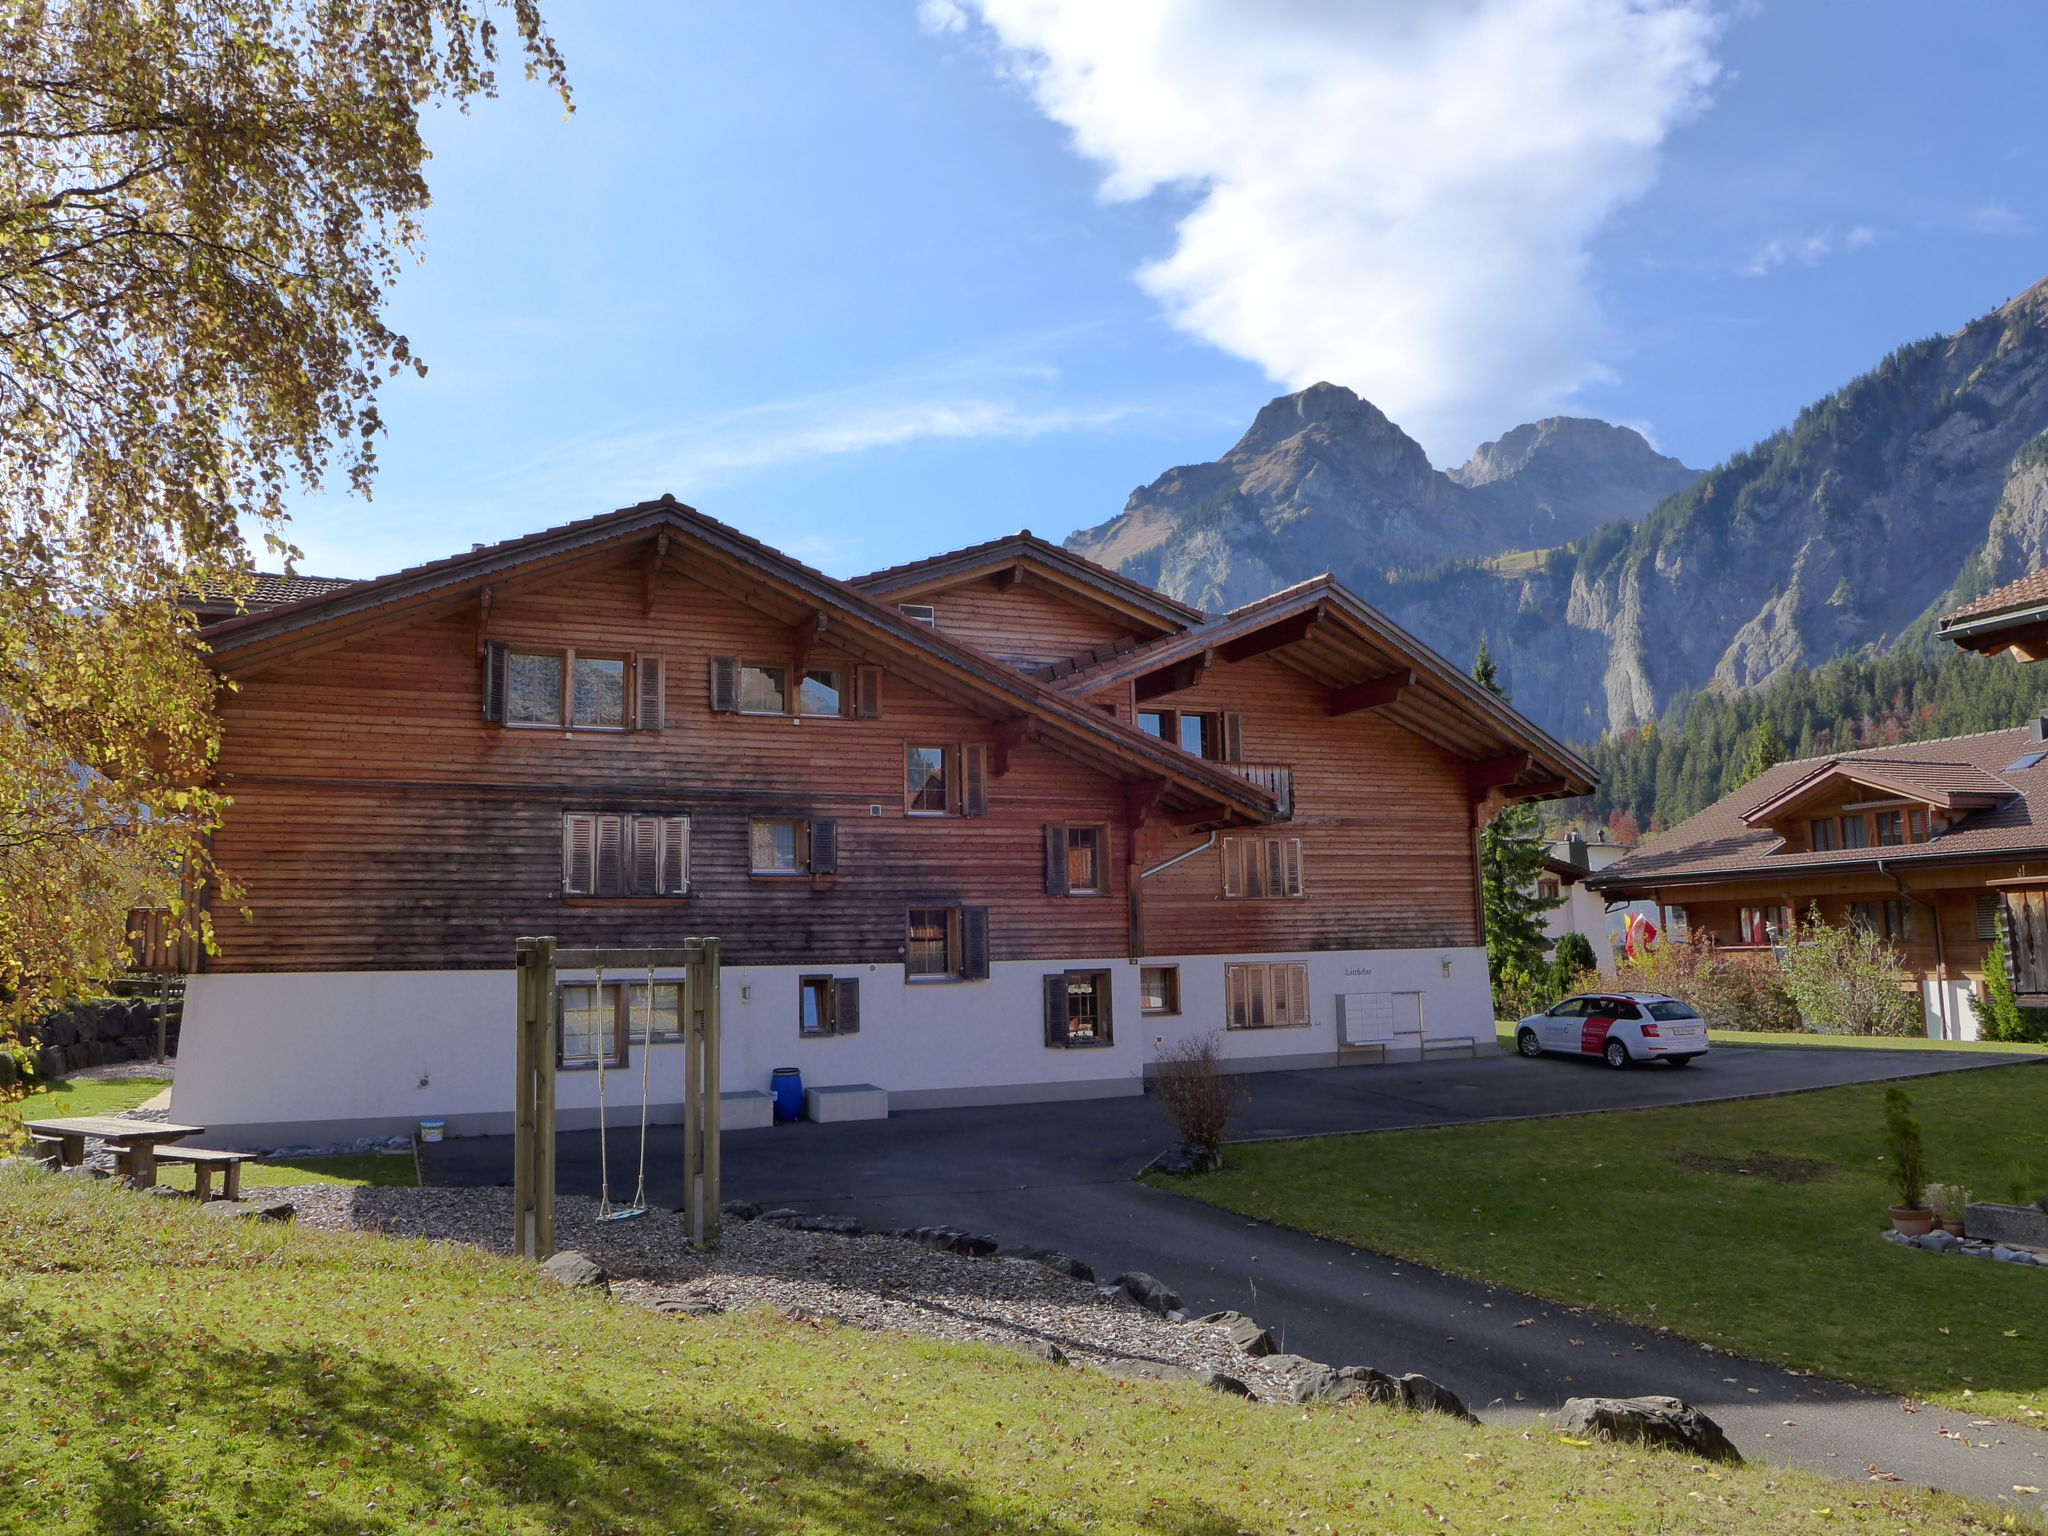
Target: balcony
<point>1275,780</point>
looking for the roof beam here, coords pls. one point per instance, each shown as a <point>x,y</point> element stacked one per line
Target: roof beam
<point>1289,631</point>
<point>1008,577</point>
<point>1371,695</point>
<point>1184,673</point>
<point>1009,735</point>
<point>650,572</point>
<point>1496,772</point>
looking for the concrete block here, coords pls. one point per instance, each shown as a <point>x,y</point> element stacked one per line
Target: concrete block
<point>747,1110</point>
<point>847,1101</point>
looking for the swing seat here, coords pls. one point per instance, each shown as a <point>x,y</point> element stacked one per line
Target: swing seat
<point>625,1213</point>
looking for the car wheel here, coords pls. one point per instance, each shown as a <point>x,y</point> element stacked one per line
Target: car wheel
<point>1616,1054</point>
<point>1679,1061</point>
<point>1527,1043</point>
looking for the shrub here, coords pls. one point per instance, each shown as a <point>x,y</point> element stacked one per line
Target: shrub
<point>1199,1097</point>
<point>1904,1147</point>
<point>1729,991</point>
<point>1948,1201</point>
<point>1844,981</point>
<point>1572,958</point>
<point>1999,1014</point>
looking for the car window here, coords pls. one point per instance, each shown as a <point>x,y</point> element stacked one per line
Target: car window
<point>1619,1008</point>
<point>1671,1011</point>
<point>1570,1008</point>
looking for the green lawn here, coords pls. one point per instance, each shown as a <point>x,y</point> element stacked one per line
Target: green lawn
<point>1504,1030</point>
<point>162,1372</point>
<point>1649,1215</point>
<point>66,1096</point>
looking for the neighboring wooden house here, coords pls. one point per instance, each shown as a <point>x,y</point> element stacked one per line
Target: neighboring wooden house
<point>2013,618</point>
<point>995,826</point>
<point>1932,844</point>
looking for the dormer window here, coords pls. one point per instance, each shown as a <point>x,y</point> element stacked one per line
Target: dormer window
<point>1891,828</point>
<point>1823,834</point>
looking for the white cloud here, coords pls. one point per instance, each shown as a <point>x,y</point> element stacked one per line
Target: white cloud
<point>1394,195</point>
<point>1807,250</point>
<point>1994,218</point>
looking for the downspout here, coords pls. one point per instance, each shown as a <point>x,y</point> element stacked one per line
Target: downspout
<point>1137,886</point>
<point>1948,1027</point>
<point>1147,874</point>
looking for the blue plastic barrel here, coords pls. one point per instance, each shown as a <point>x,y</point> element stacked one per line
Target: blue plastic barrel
<point>786,1084</point>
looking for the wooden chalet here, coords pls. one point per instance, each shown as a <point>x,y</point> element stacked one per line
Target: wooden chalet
<point>998,825</point>
<point>2014,618</point>
<point>1937,845</point>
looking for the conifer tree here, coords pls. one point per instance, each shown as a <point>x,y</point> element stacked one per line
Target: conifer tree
<point>1512,852</point>
<point>1766,751</point>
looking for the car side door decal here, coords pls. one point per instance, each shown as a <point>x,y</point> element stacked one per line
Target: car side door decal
<point>1593,1033</point>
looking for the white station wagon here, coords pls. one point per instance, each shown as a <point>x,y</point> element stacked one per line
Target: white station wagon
<point>1622,1027</point>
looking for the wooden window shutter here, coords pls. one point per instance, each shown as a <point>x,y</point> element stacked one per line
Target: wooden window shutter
<point>611,854</point>
<point>974,943</point>
<point>1292,851</point>
<point>824,847</point>
<point>494,681</point>
<point>1297,994</point>
<point>1987,916</point>
<point>1275,849</point>
<point>974,780</point>
<point>1232,862</point>
<point>648,701</point>
<point>867,691</point>
<point>646,855</point>
<point>846,1005</point>
<point>725,685</point>
<point>1056,858</point>
<point>1233,737</point>
<point>1056,1009</point>
<point>1233,987</point>
<point>579,856</point>
<point>1105,1030</point>
<point>675,856</point>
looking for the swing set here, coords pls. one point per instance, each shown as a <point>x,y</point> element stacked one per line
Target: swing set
<point>537,1062</point>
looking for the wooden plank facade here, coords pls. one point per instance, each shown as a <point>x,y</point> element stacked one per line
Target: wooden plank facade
<point>397,821</point>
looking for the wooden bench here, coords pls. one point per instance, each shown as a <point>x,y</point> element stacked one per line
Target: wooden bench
<point>203,1161</point>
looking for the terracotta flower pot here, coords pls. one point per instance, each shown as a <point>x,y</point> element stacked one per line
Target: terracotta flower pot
<point>1952,1228</point>
<point>1912,1221</point>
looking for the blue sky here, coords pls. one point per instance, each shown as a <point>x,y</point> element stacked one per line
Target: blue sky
<point>872,278</point>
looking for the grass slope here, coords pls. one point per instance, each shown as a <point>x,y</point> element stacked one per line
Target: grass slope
<point>161,1372</point>
<point>1504,1034</point>
<point>1646,1214</point>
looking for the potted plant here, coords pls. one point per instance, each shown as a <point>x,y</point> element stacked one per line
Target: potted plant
<point>1908,1155</point>
<point>1949,1202</point>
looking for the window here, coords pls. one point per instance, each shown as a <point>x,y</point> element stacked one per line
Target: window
<point>1266,996</point>
<point>605,855</point>
<point>1887,919</point>
<point>1077,1009</point>
<point>790,845</point>
<point>1918,821</point>
<point>764,690</point>
<point>1156,722</point>
<point>1666,1013</point>
<point>919,613</point>
<point>945,781</point>
<point>1548,888</point>
<point>1987,915</point>
<point>1891,828</point>
<point>822,692</point>
<point>1678,922</point>
<point>1262,866</point>
<point>1763,925</point>
<point>1198,735</point>
<point>1159,989</point>
<point>568,688</point>
<point>533,688</point>
<point>1571,1008</point>
<point>946,943</point>
<point>612,1015</point>
<point>1855,832</point>
<point>1825,838</point>
<point>1215,736</point>
<point>827,1005</point>
<point>1076,859</point>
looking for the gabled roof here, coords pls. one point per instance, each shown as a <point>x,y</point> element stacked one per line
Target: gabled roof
<point>265,589</point>
<point>1024,552</point>
<point>767,579</point>
<point>2014,614</point>
<point>1949,785</point>
<point>1726,841</point>
<point>1324,631</point>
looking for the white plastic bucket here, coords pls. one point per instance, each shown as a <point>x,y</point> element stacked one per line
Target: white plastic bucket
<point>431,1130</point>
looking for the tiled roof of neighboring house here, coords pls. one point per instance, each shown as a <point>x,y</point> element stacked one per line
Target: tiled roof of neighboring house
<point>1026,545</point>
<point>266,589</point>
<point>2024,593</point>
<point>1720,843</point>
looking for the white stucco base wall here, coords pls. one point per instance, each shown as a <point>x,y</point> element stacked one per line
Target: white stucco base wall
<point>315,1057</point>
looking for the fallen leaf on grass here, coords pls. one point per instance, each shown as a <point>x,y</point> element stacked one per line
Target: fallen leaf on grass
<point>1568,1440</point>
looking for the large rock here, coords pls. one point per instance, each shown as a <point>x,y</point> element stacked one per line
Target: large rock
<point>975,1245</point>
<point>1242,1331</point>
<point>1186,1158</point>
<point>1662,1421</point>
<point>1314,1383</point>
<point>577,1269</point>
<point>1050,1258</point>
<point>1426,1396</point>
<point>248,1210</point>
<point>804,1221</point>
<point>1153,1294</point>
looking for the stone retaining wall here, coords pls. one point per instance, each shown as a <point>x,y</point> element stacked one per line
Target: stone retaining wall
<point>100,1033</point>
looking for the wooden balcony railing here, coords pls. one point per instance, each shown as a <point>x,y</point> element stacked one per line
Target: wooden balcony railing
<point>1274,779</point>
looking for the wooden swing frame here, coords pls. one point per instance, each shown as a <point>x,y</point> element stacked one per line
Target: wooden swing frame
<point>533,1148</point>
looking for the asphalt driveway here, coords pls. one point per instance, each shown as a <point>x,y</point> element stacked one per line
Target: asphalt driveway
<point>1059,1175</point>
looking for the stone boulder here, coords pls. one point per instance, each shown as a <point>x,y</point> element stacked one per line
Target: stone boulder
<point>578,1270</point>
<point>804,1221</point>
<point>248,1210</point>
<point>741,1210</point>
<point>1186,1158</point>
<point>1152,1294</point>
<point>1313,1383</point>
<point>1242,1331</point>
<point>1661,1421</point>
<point>1051,1258</point>
<point>974,1245</point>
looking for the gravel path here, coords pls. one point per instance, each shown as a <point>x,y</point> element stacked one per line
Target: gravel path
<point>864,1282</point>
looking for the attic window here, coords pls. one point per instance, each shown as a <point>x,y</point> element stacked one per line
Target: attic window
<point>919,613</point>
<point>2025,760</point>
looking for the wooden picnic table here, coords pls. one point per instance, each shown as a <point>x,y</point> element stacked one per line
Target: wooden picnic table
<point>134,1141</point>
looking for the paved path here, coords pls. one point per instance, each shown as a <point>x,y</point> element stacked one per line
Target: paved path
<point>1059,1175</point>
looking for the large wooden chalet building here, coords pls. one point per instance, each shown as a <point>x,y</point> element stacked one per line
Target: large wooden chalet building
<point>998,825</point>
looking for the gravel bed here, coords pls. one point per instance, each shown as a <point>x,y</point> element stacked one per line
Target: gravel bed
<point>121,1071</point>
<point>864,1282</point>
